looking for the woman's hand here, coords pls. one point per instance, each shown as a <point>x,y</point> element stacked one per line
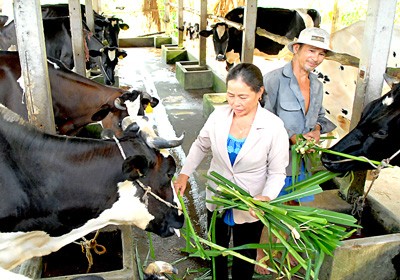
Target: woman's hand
<point>180,184</point>
<point>261,198</point>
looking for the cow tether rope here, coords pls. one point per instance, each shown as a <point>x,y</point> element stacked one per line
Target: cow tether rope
<point>359,203</point>
<point>87,245</point>
<point>147,189</point>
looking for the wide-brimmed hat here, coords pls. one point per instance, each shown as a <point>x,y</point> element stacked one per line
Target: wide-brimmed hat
<point>313,36</point>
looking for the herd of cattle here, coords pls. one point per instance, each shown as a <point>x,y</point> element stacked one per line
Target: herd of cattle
<point>55,189</point>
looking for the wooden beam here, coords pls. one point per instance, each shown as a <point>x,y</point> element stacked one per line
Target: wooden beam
<point>249,36</point>
<point>343,58</point>
<point>238,26</point>
<point>32,54</point>
<point>77,36</point>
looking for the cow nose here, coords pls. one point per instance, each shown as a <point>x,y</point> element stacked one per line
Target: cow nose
<point>220,57</point>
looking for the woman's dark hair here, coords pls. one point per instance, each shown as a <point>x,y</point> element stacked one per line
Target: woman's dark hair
<point>250,74</point>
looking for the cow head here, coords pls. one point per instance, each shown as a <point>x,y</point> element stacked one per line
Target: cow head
<point>132,103</point>
<point>107,30</point>
<point>108,60</point>
<point>220,33</point>
<point>156,171</point>
<point>376,136</point>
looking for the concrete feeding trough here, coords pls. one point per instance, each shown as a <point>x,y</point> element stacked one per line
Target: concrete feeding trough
<point>193,76</point>
<point>136,42</point>
<point>119,264</point>
<point>171,53</point>
<point>162,40</point>
<point>212,100</point>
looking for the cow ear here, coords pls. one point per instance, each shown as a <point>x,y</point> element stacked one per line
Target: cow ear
<point>123,26</point>
<point>205,33</point>
<point>101,114</point>
<point>154,102</point>
<point>3,20</point>
<point>135,167</point>
<point>122,54</point>
<point>94,53</point>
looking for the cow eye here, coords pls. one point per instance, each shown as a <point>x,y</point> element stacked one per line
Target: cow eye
<point>380,134</point>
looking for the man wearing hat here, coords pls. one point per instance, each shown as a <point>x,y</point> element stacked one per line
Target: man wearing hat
<point>295,94</point>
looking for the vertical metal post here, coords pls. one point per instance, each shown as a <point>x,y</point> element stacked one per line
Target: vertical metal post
<point>89,14</point>
<point>180,22</point>
<point>249,33</point>
<point>77,37</point>
<point>32,54</point>
<point>203,40</point>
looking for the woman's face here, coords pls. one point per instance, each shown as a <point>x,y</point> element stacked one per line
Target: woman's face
<point>241,97</point>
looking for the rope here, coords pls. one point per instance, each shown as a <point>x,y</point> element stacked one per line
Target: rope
<point>359,203</point>
<point>148,191</point>
<point>119,147</point>
<point>88,245</point>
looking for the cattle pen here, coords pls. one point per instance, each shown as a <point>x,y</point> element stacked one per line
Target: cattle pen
<point>153,67</point>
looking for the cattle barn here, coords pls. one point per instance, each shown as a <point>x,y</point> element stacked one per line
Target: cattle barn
<point>146,76</point>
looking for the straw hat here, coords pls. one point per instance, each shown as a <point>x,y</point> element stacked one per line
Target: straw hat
<point>313,36</point>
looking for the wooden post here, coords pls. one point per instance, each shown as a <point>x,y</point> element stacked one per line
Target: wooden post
<point>89,14</point>
<point>373,60</point>
<point>180,23</point>
<point>203,40</point>
<point>32,54</point>
<point>249,34</point>
<point>77,38</point>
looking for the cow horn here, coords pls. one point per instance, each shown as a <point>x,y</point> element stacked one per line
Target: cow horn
<point>118,103</point>
<point>159,143</point>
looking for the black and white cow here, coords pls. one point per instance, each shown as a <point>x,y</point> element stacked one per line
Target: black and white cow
<point>55,189</point>
<point>376,136</point>
<point>59,45</point>
<point>106,28</point>
<point>77,100</point>
<point>284,22</point>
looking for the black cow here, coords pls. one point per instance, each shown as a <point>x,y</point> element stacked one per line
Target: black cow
<point>106,29</point>
<point>55,189</point>
<point>77,101</point>
<point>278,21</point>
<point>59,45</point>
<point>376,136</point>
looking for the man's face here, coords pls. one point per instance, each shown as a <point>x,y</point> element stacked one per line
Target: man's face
<point>309,57</point>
